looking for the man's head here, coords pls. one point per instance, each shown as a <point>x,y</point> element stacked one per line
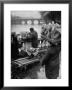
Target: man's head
<point>31,29</point>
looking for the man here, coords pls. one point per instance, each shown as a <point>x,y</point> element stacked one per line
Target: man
<point>34,38</point>
<point>14,47</point>
<point>51,59</point>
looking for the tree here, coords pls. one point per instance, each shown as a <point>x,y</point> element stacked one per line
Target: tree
<point>52,16</point>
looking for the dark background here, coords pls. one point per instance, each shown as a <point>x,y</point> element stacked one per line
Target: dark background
<point>2,40</point>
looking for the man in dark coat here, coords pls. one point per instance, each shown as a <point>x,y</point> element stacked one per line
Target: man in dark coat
<point>51,59</point>
<point>34,38</point>
<point>14,47</point>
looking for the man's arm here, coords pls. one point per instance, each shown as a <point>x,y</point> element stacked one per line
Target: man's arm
<point>53,40</point>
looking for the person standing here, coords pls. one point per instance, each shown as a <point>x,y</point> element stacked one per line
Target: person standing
<point>34,38</point>
<point>51,59</point>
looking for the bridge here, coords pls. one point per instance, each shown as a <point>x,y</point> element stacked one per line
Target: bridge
<point>18,20</point>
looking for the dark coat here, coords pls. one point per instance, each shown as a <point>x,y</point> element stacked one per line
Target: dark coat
<point>14,49</point>
<point>34,38</point>
<point>51,62</point>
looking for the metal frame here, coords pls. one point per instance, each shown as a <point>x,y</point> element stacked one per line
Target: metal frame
<point>2,2</point>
